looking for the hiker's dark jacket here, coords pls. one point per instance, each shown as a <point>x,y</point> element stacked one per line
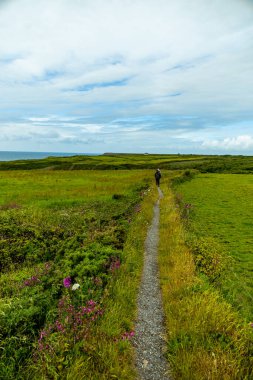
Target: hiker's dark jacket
<point>157,174</point>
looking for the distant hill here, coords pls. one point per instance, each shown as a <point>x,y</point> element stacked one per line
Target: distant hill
<point>114,161</point>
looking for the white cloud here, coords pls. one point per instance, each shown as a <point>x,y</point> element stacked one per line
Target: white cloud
<point>244,142</point>
<point>106,60</point>
<point>39,119</point>
<point>45,132</point>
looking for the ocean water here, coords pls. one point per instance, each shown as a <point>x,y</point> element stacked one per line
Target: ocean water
<point>12,155</point>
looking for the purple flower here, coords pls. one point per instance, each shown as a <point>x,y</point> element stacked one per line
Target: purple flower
<point>91,303</point>
<point>59,326</point>
<point>67,282</point>
<point>43,333</point>
<point>115,265</point>
<point>128,335</point>
<point>31,281</point>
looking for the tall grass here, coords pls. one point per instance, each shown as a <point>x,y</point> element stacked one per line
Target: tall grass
<point>206,337</point>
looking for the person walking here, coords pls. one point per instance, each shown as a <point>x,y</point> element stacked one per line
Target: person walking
<point>158,176</point>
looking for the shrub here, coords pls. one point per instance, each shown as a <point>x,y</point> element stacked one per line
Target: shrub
<point>187,175</point>
<point>209,257</point>
<point>118,196</point>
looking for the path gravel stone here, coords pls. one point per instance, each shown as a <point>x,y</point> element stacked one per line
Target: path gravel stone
<point>149,339</point>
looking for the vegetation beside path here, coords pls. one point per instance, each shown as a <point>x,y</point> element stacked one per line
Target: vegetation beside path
<point>207,339</point>
<point>71,258</point>
<point>220,210</point>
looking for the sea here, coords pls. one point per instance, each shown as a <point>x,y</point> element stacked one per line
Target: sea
<point>12,155</point>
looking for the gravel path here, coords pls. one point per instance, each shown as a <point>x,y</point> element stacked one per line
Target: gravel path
<point>148,342</point>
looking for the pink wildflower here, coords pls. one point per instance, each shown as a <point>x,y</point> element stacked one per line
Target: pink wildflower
<point>67,282</point>
<point>59,326</point>
<point>91,303</point>
<point>128,335</point>
<point>31,281</point>
<point>115,265</point>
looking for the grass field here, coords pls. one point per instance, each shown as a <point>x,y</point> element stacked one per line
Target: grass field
<point>222,208</point>
<point>57,230</point>
<point>206,337</point>
<point>71,253</point>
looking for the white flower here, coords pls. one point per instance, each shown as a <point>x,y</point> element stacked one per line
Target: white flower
<point>75,286</point>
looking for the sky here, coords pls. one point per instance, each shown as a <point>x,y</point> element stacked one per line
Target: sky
<point>155,76</point>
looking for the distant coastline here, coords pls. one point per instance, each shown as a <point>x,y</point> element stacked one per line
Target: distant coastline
<point>18,155</point>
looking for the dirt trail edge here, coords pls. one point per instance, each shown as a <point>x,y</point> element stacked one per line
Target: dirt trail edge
<point>149,343</point>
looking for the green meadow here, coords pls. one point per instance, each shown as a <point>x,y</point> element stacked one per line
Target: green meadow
<point>47,188</point>
<point>221,207</point>
<point>62,241</point>
<point>207,338</point>
<point>72,234</point>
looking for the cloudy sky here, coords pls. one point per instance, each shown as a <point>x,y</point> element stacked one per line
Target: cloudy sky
<point>162,76</point>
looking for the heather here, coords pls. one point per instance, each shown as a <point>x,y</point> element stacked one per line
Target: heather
<point>62,249</point>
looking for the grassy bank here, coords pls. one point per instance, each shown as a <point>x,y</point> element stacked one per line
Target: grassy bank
<point>207,339</point>
<point>221,209</point>
<point>71,256</point>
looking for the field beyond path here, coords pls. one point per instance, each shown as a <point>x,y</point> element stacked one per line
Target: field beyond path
<point>149,342</point>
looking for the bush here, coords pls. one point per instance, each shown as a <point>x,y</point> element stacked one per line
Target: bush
<point>209,257</point>
<point>187,175</point>
<point>118,196</point>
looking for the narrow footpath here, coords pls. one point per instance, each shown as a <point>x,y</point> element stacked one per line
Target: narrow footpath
<point>149,340</point>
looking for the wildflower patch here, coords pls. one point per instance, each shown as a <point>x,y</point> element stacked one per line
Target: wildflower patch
<point>61,252</point>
